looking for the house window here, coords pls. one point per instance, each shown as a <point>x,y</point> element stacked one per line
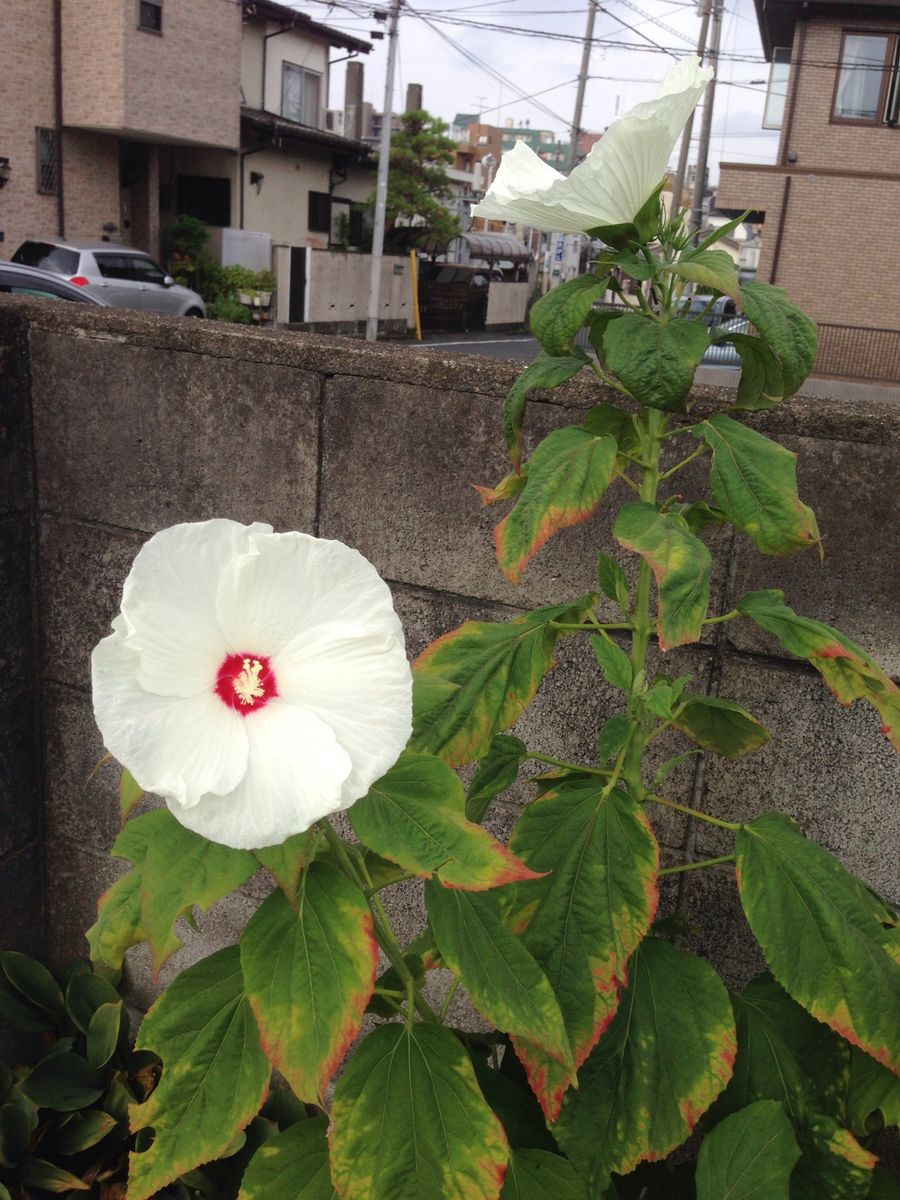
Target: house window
<point>776,96</point>
<point>868,87</point>
<point>47,162</point>
<point>300,95</point>
<point>150,15</point>
<point>319,220</point>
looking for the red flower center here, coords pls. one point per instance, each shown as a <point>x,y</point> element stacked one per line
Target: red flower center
<point>245,682</point>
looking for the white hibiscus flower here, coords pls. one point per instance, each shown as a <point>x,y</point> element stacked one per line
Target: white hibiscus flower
<point>257,681</point>
<point>616,179</point>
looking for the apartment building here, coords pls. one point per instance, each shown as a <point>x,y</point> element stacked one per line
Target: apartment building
<point>830,202</point>
<point>116,115</point>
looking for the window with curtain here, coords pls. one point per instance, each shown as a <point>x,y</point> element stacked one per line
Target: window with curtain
<point>867,87</point>
<point>301,95</point>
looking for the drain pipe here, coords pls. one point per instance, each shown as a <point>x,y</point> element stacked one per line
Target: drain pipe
<point>58,117</point>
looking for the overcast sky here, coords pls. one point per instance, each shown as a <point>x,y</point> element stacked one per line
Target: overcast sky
<point>437,35</point>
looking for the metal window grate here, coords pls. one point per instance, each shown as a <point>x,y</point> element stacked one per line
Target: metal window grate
<point>150,15</point>
<point>47,162</point>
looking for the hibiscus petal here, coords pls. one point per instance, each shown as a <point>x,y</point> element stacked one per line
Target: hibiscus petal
<point>180,747</point>
<point>168,603</point>
<point>360,684</point>
<point>291,582</point>
<point>294,777</point>
<point>618,176</point>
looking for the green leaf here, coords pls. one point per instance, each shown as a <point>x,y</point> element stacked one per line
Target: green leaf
<point>847,670</point>
<point>615,663</point>
<point>478,680</point>
<point>130,794</point>
<point>833,1164</point>
<point>568,473</point>
<point>884,1186</point>
<point>85,994</point>
<point>788,331</point>
<point>699,515</point>
<point>21,1015</point>
<point>613,583</point>
<point>681,565</point>
<point>761,386</point>
<point>118,925</point>
<point>822,934</point>
<point>415,815</point>
<point>750,1156</point>
<point>497,771</point>
<point>180,869</point>
<point>587,916</point>
<point>103,1034</point>
<point>754,480</point>
<point>85,1129</point>
<point>636,265</point>
<point>545,372</point>
<point>557,317</point>
<point>292,1165</point>
<point>537,1175</point>
<point>655,361</point>
<point>505,982</point>
<point>442,1140</point>
<point>34,984</point>
<point>870,1089</point>
<point>514,1103</point>
<point>18,1121</point>
<point>214,1073</point>
<point>596,323</point>
<point>710,268</point>
<point>309,973</point>
<point>720,726</point>
<point>286,861</point>
<point>614,734</point>
<point>666,1056</point>
<point>62,1081</point>
<point>722,231</point>
<point>37,1173</point>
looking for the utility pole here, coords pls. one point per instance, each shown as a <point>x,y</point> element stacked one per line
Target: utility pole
<point>706,125</point>
<point>582,79</point>
<point>384,155</point>
<point>678,186</point>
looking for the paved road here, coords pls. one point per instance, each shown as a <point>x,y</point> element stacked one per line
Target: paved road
<point>494,345</point>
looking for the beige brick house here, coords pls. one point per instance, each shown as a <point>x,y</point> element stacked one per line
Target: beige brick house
<point>830,204</point>
<point>116,115</point>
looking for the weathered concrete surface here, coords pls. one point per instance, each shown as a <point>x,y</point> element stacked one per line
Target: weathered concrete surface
<point>140,421</point>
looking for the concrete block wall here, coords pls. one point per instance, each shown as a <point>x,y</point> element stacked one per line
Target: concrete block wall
<point>139,422</point>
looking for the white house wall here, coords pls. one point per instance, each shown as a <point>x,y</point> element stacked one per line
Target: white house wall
<point>281,206</point>
<point>301,52</point>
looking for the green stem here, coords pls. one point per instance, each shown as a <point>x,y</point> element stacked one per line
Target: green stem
<point>684,462</point>
<point>652,430</point>
<point>626,478</point>
<point>608,380</point>
<point>381,924</point>
<point>374,890</point>
<point>695,866</point>
<point>597,627</point>
<point>445,1007</point>
<point>567,766</point>
<point>729,616</point>
<point>693,812</point>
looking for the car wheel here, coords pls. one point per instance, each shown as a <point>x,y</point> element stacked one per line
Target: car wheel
<point>193,312</point>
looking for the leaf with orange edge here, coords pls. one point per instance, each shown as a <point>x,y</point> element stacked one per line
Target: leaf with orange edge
<point>587,916</point>
<point>847,669</point>
<point>415,815</point>
<point>681,565</point>
<point>505,982</point>
<point>441,1139</point>
<point>478,679</point>
<point>547,371</point>
<point>509,487</point>
<point>214,1075</point>
<point>825,935</point>
<point>568,474</point>
<point>661,1063</point>
<point>754,480</point>
<point>309,974</point>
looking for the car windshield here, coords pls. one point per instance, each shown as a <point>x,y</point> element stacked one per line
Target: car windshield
<point>47,256</point>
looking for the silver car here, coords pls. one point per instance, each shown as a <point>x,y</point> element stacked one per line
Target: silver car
<point>118,275</point>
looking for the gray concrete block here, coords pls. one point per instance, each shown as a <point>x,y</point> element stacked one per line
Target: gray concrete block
<point>20,771</point>
<point>17,616</point>
<point>853,490</point>
<point>82,570</point>
<point>16,441</point>
<point>172,436</point>
<point>75,879</point>
<point>22,901</point>
<point>719,929</point>
<point>826,766</point>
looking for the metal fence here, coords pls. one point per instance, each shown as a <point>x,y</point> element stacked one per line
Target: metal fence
<point>858,353</point>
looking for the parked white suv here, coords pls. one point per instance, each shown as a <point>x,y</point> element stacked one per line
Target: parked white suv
<point>116,274</point>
